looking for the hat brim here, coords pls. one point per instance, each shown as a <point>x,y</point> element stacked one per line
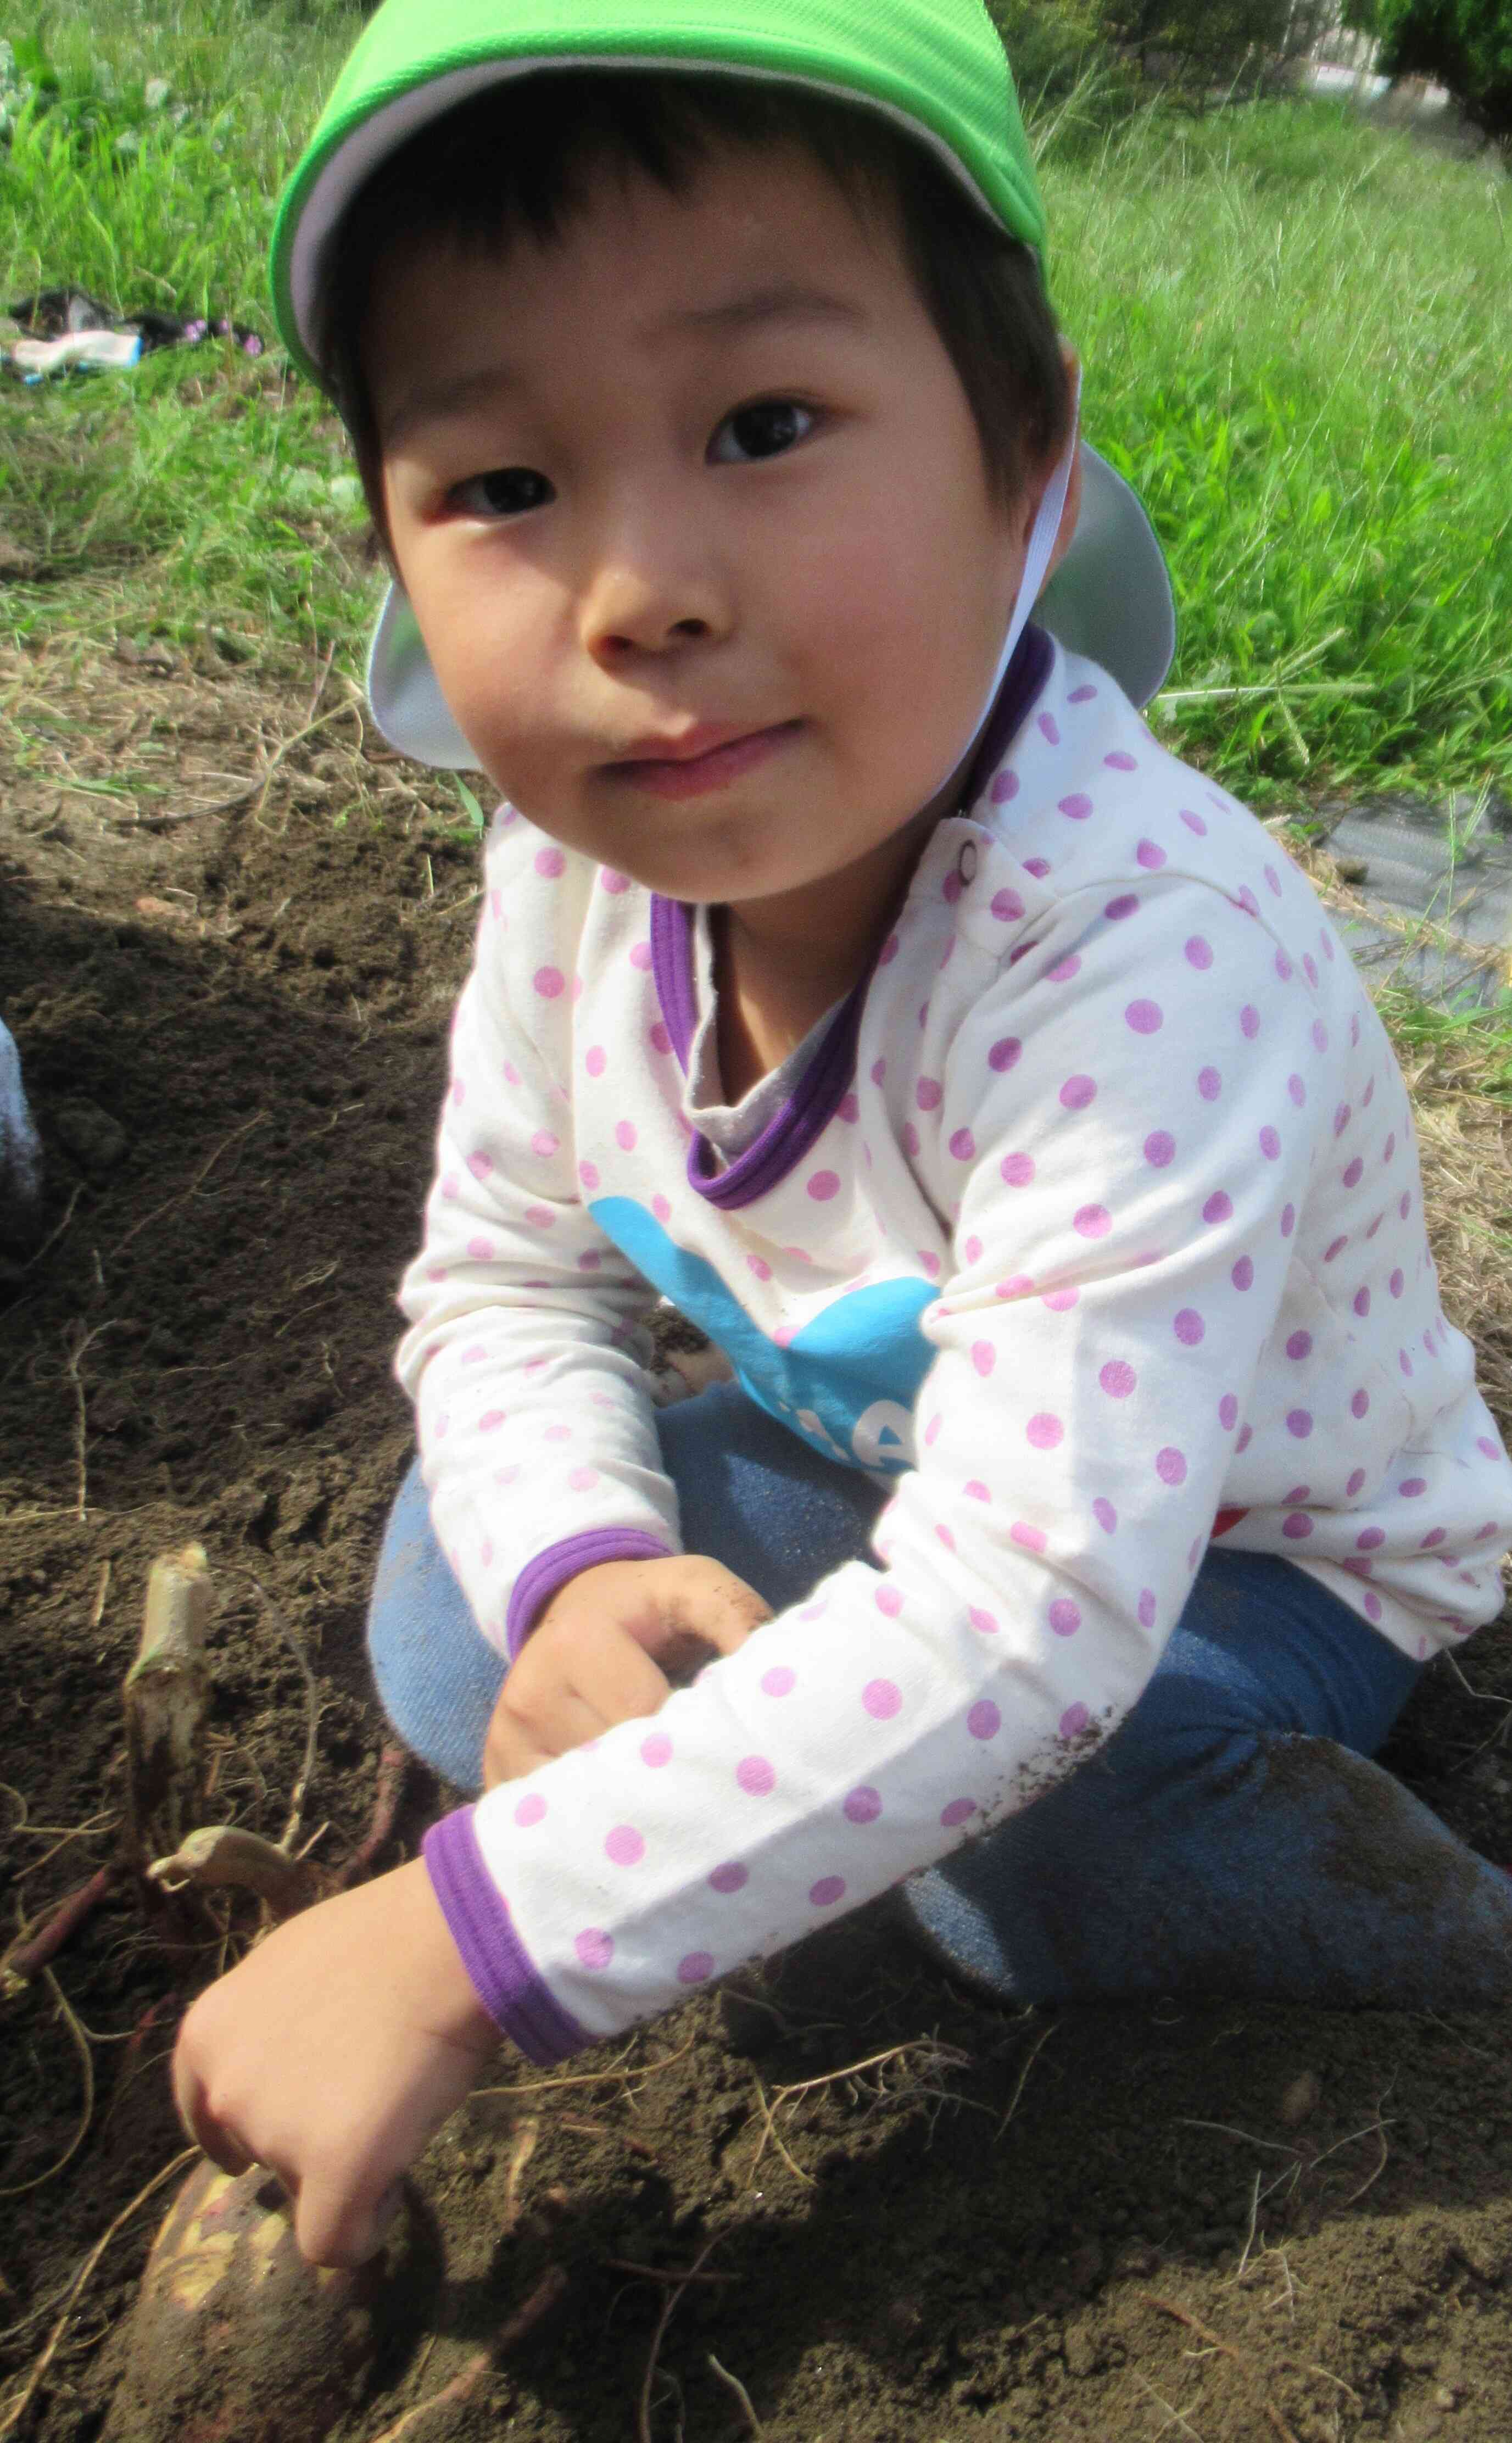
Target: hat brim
<point>1109,599</point>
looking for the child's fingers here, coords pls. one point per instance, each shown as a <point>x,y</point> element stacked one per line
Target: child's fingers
<point>200,2124</point>
<point>722,1606</point>
<point>551,1702</point>
<point>509,1750</point>
<point>689,1607</point>
<point>336,2226</point>
<point>617,1681</point>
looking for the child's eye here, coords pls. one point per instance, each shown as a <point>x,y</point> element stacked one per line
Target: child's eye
<point>764,430</point>
<point>503,492</point>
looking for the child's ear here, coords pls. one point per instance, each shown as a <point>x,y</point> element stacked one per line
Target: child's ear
<point>1065,532</point>
<point>1071,512</point>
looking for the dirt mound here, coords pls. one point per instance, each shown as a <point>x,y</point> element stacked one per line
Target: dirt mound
<point>230,965</point>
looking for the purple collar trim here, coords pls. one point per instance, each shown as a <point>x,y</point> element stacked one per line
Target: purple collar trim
<point>802,1118</point>
<point>1022,681</point>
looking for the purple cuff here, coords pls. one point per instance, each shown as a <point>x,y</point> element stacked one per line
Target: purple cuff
<point>540,1579</point>
<point>509,1986</point>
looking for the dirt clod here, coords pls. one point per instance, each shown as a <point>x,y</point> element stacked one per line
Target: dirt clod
<point>1300,2100</point>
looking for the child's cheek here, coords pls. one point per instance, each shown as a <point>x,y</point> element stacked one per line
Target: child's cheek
<point>488,657</point>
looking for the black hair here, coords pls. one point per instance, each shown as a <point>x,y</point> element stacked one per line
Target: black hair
<point>520,158</point>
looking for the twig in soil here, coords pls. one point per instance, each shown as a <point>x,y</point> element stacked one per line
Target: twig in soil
<point>258,1120</point>
<point>32,1951</point>
<point>940,2057</point>
<point>86,2059</point>
<point>1315,2369</point>
<point>134,2059</point>
<point>1482,1696</point>
<point>393,1772</point>
<point>24,2400</point>
<point>669,2308</point>
<point>1173,2416</point>
<point>936,2057</point>
<point>1225,2349</point>
<point>452,907</point>
<point>78,1342</point>
<point>1378,2126</point>
<point>54,1234</point>
<point>671,2274</point>
<point>312,1708</point>
<point>251,795</point>
<point>1272,2145</point>
<point>527,2138</point>
<point>770,2129</point>
<point>1017,2097</point>
<point>472,2378</point>
<point>1286,2298</point>
<point>96,1609</point>
<point>1238,2273</point>
<point>739,2390</point>
<point>603,2129</point>
<point>314,705</point>
<point>67,1834</point>
<point>462,2386</point>
<point>615,2076</point>
<point>1479,2052</point>
<point>549,2290</point>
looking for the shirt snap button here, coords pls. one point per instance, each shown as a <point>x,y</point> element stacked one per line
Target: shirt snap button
<point>966,864</point>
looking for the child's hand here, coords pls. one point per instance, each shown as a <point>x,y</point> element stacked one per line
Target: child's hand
<point>332,2053</point>
<point>608,1648</point>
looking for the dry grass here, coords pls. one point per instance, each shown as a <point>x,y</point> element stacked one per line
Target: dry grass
<point>1458,1068</point>
<point>1467,1198</point>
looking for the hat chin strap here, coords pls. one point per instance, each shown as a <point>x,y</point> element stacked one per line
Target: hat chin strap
<point>1035,568</point>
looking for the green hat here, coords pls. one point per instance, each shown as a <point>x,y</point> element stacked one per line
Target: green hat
<point>935,68</point>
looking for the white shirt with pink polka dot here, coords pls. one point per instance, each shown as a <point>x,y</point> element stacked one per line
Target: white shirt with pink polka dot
<point>1122,1104</point>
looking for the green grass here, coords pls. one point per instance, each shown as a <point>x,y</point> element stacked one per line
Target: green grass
<point>1482,1036</point>
<point>202,490</point>
<point>1297,332</point>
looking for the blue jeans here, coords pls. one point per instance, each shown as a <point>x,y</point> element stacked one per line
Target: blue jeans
<point>1231,1837</point>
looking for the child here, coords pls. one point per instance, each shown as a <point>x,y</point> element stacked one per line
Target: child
<point>856,970</point>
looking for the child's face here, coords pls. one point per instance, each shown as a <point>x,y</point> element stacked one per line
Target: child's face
<point>703,466</point>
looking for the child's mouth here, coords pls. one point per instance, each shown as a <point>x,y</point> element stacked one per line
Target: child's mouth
<point>692,775</point>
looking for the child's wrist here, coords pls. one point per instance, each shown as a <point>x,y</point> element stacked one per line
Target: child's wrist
<point>453,2004</point>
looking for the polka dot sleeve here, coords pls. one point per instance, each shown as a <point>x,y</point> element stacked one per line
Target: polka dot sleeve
<point>525,1358</point>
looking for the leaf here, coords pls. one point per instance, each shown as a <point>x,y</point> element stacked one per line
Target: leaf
<point>33,64</point>
<point>476,817</point>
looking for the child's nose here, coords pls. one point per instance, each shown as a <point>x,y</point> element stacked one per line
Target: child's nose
<point>655,584</point>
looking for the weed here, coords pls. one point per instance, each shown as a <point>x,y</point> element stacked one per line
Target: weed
<point>1295,329</point>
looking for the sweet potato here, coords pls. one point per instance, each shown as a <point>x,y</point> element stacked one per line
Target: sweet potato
<point>233,2338</point>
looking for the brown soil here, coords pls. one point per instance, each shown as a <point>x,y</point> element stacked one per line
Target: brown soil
<point>1095,2223</point>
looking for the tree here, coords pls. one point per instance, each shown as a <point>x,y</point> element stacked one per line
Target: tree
<point>1465,45</point>
<point>1242,46</point>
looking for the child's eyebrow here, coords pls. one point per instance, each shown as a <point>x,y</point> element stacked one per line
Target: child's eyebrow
<point>433,403</point>
<point>784,303</point>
